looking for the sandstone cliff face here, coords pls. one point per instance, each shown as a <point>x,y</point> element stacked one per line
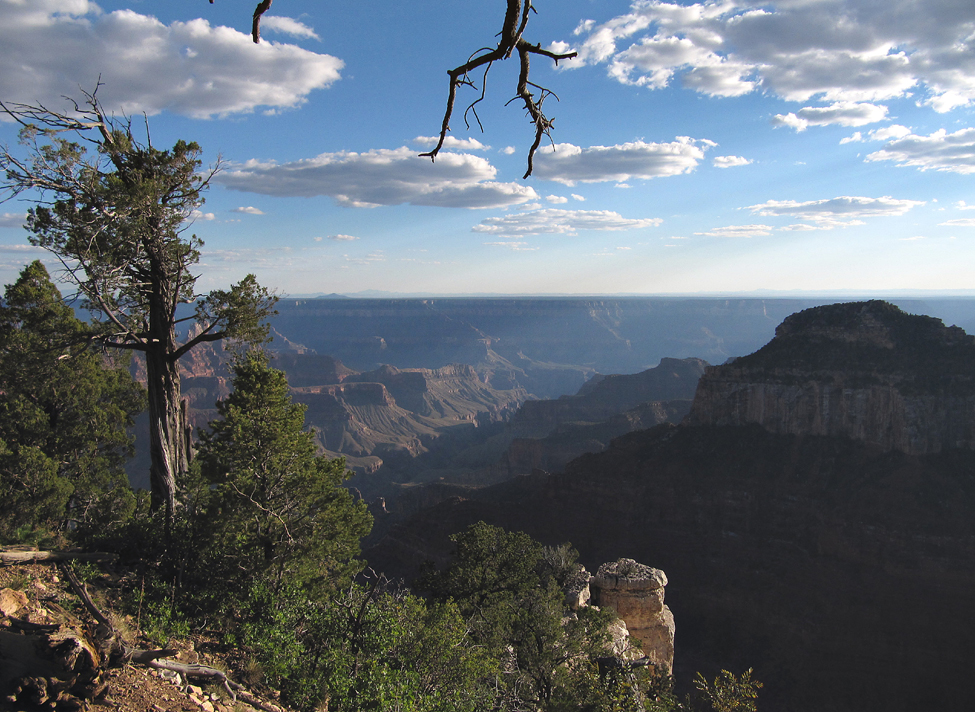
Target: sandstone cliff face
<point>864,370</point>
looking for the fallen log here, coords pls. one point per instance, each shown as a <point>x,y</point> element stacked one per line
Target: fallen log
<point>18,555</point>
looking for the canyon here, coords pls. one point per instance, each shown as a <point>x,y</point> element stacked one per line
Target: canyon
<point>836,564</point>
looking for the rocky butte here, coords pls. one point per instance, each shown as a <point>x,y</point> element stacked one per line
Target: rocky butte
<point>863,370</point>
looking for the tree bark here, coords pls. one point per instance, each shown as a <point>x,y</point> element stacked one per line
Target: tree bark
<point>167,435</point>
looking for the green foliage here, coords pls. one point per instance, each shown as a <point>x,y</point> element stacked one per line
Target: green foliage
<point>729,693</point>
<point>64,410</point>
<point>510,589</point>
<point>276,510</point>
<point>367,648</point>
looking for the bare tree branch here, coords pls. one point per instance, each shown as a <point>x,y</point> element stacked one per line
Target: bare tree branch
<point>515,22</point>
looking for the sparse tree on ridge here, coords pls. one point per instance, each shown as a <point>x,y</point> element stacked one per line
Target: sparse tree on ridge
<point>115,210</point>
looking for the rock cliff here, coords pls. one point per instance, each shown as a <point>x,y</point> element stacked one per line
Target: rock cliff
<point>636,592</point>
<point>864,370</point>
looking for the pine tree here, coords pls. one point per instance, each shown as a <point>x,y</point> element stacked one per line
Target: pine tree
<point>278,510</point>
<point>64,410</point>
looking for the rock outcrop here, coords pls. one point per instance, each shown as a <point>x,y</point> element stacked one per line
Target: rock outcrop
<point>864,370</point>
<point>636,592</point>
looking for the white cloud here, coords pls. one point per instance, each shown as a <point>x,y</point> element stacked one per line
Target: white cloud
<point>730,161</point>
<point>571,164</point>
<point>557,199</point>
<point>834,50</point>
<point>371,258</point>
<point>249,210</point>
<point>738,231</point>
<point>466,144</point>
<point>200,215</point>
<point>845,113</point>
<point>19,249</point>
<point>960,222</point>
<point>939,151</point>
<point>580,198</point>
<point>342,238</point>
<point>889,132</point>
<point>857,137</point>
<point>381,177</point>
<point>287,26</point>
<point>513,245</point>
<point>555,221</point>
<point>196,69</point>
<point>508,150</point>
<point>12,219</point>
<point>836,212</point>
<point>962,205</point>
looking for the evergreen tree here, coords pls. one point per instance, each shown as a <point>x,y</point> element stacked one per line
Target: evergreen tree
<point>277,509</point>
<point>116,216</point>
<point>64,410</point>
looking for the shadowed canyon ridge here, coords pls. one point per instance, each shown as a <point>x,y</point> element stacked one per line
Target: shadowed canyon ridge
<point>837,565</point>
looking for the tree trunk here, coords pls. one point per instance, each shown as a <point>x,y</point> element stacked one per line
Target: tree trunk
<point>167,434</point>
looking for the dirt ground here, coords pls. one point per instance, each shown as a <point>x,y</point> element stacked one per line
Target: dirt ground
<point>38,594</point>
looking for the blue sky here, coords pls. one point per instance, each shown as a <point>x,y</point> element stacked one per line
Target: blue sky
<point>720,147</point>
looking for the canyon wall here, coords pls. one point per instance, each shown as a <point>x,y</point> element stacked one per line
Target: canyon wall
<point>864,370</point>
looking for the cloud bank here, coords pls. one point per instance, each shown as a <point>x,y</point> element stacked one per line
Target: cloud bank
<point>569,164</point>
<point>381,177</point>
<point>555,221</point>
<point>196,69</point>
<point>846,53</point>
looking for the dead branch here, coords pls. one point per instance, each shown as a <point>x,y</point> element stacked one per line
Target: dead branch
<point>261,8</point>
<point>10,557</point>
<point>515,22</point>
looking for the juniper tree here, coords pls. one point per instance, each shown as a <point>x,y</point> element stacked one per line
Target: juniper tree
<point>115,210</point>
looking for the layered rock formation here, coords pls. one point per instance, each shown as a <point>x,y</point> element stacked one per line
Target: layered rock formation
<point>547,434</point>
<point>864,370</point>
<point>636,592</point>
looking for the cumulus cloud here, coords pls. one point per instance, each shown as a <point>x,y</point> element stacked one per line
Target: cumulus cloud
<point>962,205</point>
<point>197,69</point>
<point>836,212</point>
<point>466,144</point>
<point>555,221</point>
<point>960,222</point>
<point>12,219</point>
<point>571,164</point>
<point>381,177</point>
<point>738,231</point>
<point>342,238</point>
<point>845,113</point>
<point>580,198</point>
<point>835,51</point>
<point>940,151</point>
<point>287,26</point>
<point>557,199</point>
<point>249,210</point>
<point>200,215</point>
<point>730,161</point>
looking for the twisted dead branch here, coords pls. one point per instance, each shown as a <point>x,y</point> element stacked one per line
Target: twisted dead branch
<point>515,22</point>
<point>261,8</point>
